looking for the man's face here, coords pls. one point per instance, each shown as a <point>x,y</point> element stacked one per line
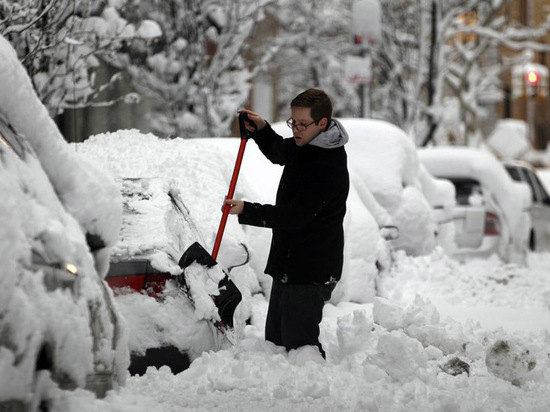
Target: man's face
<point>302,116</point>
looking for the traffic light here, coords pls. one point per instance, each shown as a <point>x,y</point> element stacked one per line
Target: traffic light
<point>533,77</point>
<point>530,80</point>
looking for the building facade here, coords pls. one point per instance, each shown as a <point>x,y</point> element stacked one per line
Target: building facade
<point>522,100</point>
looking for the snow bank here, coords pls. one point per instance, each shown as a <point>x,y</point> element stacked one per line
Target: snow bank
<point>398,354</point>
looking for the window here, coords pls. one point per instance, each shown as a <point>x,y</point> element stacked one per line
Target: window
<point>518,173</point>
<point>466,188</point>
<point>537,186</point>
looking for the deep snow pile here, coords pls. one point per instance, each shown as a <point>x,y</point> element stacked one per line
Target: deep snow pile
<point>398,354</point>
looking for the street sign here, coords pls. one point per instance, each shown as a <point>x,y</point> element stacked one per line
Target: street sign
<point>357,69</point>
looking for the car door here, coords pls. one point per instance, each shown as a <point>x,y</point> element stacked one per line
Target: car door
<point>469,214</point>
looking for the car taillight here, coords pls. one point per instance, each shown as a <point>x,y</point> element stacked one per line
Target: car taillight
<point>492,224</point>
<point>152,284</point>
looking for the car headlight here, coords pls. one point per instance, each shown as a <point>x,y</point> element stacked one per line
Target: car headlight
<point>56,275</point>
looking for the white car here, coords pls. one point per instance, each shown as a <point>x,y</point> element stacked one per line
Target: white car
<point>492,211</point>
<point>59,328</point>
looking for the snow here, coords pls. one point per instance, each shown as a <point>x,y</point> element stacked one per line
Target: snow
<point>51,200</point>
<point>73,179</point>
<point>149,29</point>
<point>433,316</point>
<point>544,175</point>
<point>390,355</point>
<point>509,139</point>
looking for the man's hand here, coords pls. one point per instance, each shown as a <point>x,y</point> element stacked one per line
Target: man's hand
<point>254,118</point>
<point>236,206</point>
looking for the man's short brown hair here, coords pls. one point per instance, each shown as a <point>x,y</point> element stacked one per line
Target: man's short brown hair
<point>318,101</point>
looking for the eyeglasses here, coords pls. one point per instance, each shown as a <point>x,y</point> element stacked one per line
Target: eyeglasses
<point>300,127</point>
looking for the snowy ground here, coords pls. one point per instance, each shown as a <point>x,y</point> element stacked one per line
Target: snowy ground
<point>398,354</point>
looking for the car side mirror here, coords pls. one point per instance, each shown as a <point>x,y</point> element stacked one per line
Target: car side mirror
<point>389,232</point>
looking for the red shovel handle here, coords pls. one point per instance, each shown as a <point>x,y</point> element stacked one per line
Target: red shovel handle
<point>244,138</point>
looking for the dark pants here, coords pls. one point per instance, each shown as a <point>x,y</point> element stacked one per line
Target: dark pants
<point>294,314</point>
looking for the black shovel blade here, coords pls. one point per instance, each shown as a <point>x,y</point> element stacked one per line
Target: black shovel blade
<point>196,253</point>
<point>229,295</point>
<point>227,300</point>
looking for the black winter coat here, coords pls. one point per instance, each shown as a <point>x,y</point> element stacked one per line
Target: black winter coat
<point>307,219</point>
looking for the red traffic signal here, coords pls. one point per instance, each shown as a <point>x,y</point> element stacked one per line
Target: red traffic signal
<point>533,77</point>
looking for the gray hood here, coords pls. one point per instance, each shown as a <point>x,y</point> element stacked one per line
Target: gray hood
<point>335,136</point>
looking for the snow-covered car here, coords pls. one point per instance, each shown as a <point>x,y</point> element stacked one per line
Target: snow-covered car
<point>161,321</point>
<point>383,158</point>
<point>539,238</point>
<point>492,211</point>
<point>59,327</point>
<point>172,192</point>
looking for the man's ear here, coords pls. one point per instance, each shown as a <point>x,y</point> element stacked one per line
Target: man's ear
<point>323,123</point>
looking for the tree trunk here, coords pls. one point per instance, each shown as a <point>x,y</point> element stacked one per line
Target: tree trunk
<point>432,76</point>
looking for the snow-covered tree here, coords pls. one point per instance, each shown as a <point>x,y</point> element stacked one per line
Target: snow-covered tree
<point>187,57</point>
<point>196,73</point>
<point>60,43</point>
<point>312,42</point>
<point>438,58</point>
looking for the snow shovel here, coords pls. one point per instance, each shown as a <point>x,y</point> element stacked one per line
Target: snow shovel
<point>229,295</point>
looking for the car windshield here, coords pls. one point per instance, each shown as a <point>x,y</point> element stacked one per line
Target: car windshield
<point>514,173</point>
